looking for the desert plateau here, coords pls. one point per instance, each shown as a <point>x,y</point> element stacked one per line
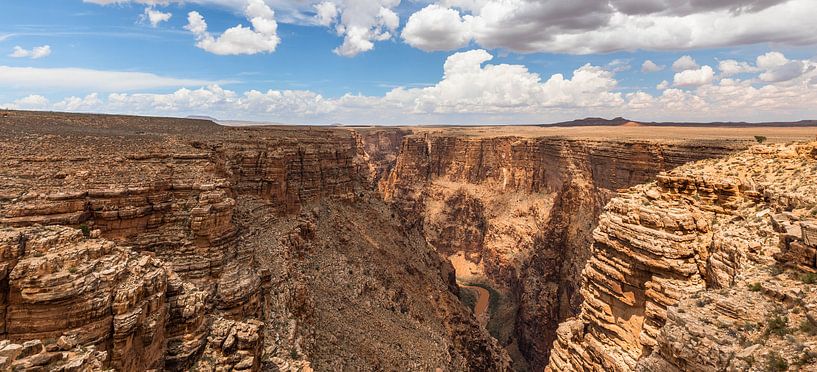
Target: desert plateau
<point>138,243</point>
<point>408,185</point>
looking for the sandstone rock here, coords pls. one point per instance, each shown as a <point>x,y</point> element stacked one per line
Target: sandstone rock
<point>682,281</point>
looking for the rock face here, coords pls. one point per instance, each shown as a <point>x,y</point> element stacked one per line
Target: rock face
<point>58,284</point>
<point>170,244</point>
<point>517,213</point>
<point>708,268</point>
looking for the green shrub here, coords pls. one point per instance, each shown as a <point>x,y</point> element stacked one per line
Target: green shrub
<point>777,324</point>
<point>755,287</point>
<point>808,278</point>
<point>774,362</point>
<point>86,231</point>
<point>760,139</point>
<point>806,326</point>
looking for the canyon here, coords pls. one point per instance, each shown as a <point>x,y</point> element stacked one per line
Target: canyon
<point>139,243</point>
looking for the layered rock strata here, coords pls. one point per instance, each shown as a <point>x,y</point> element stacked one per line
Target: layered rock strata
<point>161,259</point>
<point>682,274</point>
<point>518,212</point>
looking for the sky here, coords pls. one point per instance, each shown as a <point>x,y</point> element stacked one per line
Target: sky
<point>413,61</point>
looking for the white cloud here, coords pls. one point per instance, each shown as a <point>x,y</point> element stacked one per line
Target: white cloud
<point>684,63</point>
<point>472,90</point>
<point>360,22</point>
<point>31,102</point>
<point>72,103</point>
<point>619,65</point>
<point>662,85</point>
<point>650,66</point>
<point>731,67</point>
<point>437,28</point>
<point>469,87</point>
<point>326,13</point>
<point>261,38</point>
<point>154,17</point>
<point>592,26</point>
<point>32,78</point>
<point>778,68</point>
<point>687,78</point>
<point>34,53</point>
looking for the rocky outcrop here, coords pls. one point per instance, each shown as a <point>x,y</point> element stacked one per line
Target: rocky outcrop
<point>60,284</point>
<point>172,244</point>
<point>59,355</point>
<point>521,212</point>
<point>682,277</point>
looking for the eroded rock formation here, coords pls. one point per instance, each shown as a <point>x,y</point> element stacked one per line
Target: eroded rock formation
<point>683,274</point>
<point>170,244</point>
<point>517,213</point>
<point>147,243</point>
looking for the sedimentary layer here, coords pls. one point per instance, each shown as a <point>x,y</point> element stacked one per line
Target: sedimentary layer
<point>518,212</point>
<point>171,244</point>
<point>710,267</point>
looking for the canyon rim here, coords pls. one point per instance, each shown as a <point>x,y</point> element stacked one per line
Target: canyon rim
<point>137,243</point>
<point>398,185</point>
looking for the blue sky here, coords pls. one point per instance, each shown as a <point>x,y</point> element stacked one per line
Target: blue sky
<point>505,75</point>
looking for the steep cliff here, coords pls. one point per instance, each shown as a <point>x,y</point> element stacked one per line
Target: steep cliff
<point>179,243</point>
<point>710,267</point>
<point>516,214</point>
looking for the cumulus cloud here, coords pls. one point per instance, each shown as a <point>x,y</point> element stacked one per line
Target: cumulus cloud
<point>591,26</point>
<point>155,17</point>
<point>326,13</point>
<point>33,53</point>
<point>650,66</point>
<point>360,22</point>
<point>437,28</point>
<point>687,78</point>
<point>684,63</point>
<point>261,38</point>
<point>731,67</point>
<point>87,79</point>
<point>474,90</point>
<point>778,68</point>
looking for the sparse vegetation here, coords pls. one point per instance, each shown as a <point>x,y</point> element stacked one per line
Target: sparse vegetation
<point>755,287</point>
<point>86,231</point>
<point>808,278</point>
<point>777,324</point>
<point>760,139</point>
<point>808,327</point>
<point>774,362</point>
<point>72,270</point>
<point>468,298</point>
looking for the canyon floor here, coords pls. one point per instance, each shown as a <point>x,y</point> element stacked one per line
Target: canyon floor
<point>135,243</point>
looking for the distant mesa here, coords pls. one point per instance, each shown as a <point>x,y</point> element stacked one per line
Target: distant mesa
<point>203,117</point>
<point>622,122</point>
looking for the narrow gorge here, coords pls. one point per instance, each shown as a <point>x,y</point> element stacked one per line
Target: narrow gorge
<point>139,243</point>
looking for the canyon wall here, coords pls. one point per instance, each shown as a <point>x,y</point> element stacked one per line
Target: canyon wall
<point>517,213</point>
<point>174,243</point>
<point>148,243</point>
<point>710,267</point>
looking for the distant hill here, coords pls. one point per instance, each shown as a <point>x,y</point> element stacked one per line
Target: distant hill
<point>203,117</point>
<point>620,121</point>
